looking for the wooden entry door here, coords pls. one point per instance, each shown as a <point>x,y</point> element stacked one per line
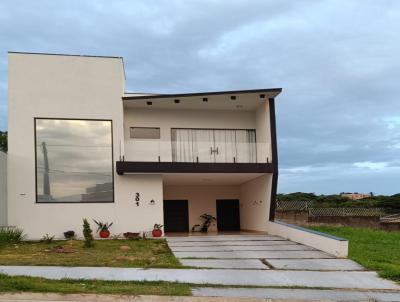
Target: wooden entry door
<point>228,215</point>
<point>176,216</point>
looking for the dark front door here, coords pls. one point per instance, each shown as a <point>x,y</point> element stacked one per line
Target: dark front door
<point>176,216</point>
<point>228,217</point>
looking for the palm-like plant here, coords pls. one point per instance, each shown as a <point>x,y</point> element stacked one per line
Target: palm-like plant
<point>102,226</point>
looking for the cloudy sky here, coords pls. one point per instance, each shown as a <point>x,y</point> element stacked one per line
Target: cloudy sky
<point>337,61</point>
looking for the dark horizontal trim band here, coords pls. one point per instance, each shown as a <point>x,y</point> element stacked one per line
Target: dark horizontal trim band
<point>173,167</point>
<point>62,54</point>
<point>160,96</point>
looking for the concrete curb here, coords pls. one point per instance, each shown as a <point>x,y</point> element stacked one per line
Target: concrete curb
<point>122,298</point>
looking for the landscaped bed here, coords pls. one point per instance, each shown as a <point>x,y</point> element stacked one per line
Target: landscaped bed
<point>376,250</point>
<point>116,253</point>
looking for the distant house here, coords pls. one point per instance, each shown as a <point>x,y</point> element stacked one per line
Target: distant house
<point>356,195</point>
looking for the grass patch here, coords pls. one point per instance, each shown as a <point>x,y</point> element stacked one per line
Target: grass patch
<point>16,284</point>
<point>141,253</point>
<point>375,249</point>
<point>66,286</point>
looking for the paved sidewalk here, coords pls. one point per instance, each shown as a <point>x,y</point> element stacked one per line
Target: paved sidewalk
<point>237,277</point>
<point>27,297</point>
<point>305,294</point>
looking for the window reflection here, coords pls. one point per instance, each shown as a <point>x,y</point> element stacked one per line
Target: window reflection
<point>74,161</point>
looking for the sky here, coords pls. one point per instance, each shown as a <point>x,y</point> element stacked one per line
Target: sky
<point>338,62</point>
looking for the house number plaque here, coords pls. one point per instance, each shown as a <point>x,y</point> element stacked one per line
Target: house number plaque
<point>137,199</point>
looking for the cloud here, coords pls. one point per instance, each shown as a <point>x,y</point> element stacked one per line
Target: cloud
<point>371,165</point>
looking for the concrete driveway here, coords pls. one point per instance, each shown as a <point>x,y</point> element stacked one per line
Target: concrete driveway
<point>254,252</point>
<point>242,256</point>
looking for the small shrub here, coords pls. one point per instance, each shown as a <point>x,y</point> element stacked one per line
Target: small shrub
<point>11,235</point>
<point>69,235</point>
<point>47,239</point>
<point>88,234</point>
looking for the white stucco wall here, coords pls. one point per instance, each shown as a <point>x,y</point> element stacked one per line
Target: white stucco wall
<point>201,199</point>
<point>69,87</point>
<point>167,119</point>
<point>338,247</point>
<point>263,131</point>
<point>3,189</point>
<point>255,202</point>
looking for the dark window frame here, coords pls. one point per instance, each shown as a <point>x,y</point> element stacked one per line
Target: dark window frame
<point>112,159</point>
<point>130,132</point>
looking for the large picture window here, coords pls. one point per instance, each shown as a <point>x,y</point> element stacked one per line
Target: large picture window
<point>74,160</point>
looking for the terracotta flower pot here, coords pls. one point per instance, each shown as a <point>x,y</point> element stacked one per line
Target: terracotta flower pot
<point>104,234</point>
<point>156,233</point>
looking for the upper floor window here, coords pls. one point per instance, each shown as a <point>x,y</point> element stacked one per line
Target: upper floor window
<point>145,132</point>
<point>74,160</point>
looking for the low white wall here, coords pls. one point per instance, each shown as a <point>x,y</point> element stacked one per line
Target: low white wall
<point>329,244</point>
<point>255,198</point>
<point>3,189</point>
<point>201,199</point>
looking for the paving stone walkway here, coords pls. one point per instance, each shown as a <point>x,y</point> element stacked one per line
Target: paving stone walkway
<point>235,277</point>
<point>263,259</point>
<point>253,252</point>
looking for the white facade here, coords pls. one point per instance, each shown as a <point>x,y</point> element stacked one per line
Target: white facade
<point>84,87</point>
<point>3,189</point>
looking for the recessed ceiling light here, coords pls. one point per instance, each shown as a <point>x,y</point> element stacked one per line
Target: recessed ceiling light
<point>205,99</point>
<point>177,101</point>
<point>149,103</point>
<point>233,97</point>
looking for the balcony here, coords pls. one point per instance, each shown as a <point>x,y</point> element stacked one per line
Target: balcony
<point>205,151</point>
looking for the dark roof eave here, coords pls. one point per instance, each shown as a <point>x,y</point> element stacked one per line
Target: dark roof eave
<point>160,96</point>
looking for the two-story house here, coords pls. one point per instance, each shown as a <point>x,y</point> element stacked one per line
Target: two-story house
<point>82,147</point>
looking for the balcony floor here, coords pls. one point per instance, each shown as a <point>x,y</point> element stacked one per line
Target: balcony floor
<point>181,167</point>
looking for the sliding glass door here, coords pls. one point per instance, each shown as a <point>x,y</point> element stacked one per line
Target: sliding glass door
<point>214,145</point>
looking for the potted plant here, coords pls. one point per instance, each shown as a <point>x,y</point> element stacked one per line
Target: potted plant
<point>207,220</point>
<point>69,235</point>
<point>157,232</point>
<point>103,228</point>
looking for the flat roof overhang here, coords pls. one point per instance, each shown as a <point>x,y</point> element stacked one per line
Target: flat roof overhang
<point>245,100</point>
<point>272,91</point>
<point>126,167</point>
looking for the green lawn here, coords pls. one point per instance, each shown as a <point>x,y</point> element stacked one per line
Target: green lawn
<point>41,285</point>
<point>376,250</point>
<point>141,253</point>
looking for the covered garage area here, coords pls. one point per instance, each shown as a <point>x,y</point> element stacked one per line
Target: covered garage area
<point>239,201</point>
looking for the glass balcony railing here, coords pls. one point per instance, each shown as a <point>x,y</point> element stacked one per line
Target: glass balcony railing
<point>196,152</point>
